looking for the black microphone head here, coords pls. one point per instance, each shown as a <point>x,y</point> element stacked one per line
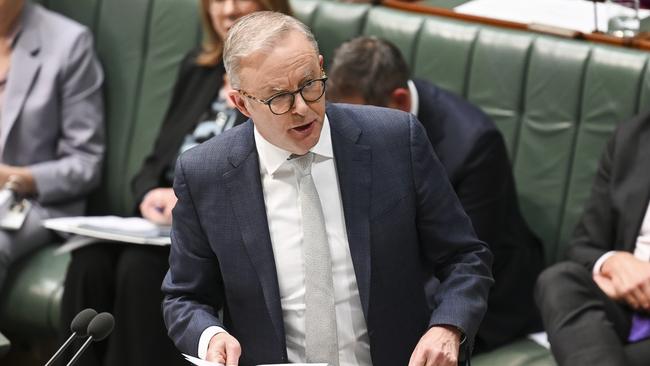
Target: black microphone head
<point>101,326</point>
<point>79,324</point>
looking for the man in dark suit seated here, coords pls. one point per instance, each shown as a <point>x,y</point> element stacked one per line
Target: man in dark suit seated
<point>313,227</point>
<point>596,306</point>
<point>369,70</point>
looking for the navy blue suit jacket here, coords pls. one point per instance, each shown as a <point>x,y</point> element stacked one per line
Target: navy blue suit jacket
<point>474,155</point>
<point>403,222</point>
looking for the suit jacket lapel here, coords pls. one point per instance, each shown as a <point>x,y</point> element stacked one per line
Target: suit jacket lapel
<point>353,165</point>
<point>637,202</point>
<point>245,191</point>
<point>25,65</point>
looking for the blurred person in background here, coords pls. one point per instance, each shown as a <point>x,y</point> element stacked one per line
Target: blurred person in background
<point>596,305</point>
<point>51,121</point>
<point>126,279</point>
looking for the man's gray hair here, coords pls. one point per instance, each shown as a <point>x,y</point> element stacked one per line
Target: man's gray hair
<point>255,32</point>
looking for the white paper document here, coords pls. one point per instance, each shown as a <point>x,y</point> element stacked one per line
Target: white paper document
<point>570,14</point>
<point>540,338</point>
<point>122,229</point>
<point>200,362</point>
<point>76,242</point>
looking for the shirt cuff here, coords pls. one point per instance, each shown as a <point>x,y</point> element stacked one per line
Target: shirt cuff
<point>204,341</point>
<point>599,263</point>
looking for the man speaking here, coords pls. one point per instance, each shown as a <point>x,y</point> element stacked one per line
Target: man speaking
<point>315,228</point>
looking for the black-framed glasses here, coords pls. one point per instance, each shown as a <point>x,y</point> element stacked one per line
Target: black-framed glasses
<point>282,103</point>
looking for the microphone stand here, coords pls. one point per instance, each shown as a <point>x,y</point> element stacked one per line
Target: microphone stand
<point>595,16</point>
<point>59,351</point>
<point>80,351</point>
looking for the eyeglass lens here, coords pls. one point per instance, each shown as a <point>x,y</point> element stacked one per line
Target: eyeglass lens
<point>311,92</point>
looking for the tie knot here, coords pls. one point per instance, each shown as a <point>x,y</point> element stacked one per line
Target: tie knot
<point>303,162</point>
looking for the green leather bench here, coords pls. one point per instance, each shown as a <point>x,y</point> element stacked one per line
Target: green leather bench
<point>555,100</point>
<point>140,44</point>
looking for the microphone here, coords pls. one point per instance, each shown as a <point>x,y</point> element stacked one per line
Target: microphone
<point>79,327</point>
<point>596,30</point>
<point>99,328</point>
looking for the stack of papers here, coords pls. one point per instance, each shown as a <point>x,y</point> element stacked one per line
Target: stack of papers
<point>122,229</point>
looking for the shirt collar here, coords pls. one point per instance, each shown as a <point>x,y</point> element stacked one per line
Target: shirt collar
<point>15,34</point>
<point>415,98</point>
<point>272,157</point>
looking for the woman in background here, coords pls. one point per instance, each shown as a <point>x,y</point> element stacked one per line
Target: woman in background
<point>51,121</point>
<point>125,279</point>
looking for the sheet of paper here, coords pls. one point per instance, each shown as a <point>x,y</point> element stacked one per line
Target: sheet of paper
<point>540,338</point>
<point>121,229</point>
<point>570,14</point>
<point>75,242</point>
<point>200,362</point>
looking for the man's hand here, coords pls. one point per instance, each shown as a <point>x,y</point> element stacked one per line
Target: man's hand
<point>438,346</point>
<point>223,348</point>
<point>606,286</point>
<point>157,205</point>
<point>629,280</point>
<point>22,177</point>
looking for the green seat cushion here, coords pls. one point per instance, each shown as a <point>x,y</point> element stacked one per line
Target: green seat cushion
<point>523,352</point>
<point>500,94</point>
<point>399,27</point>
<point>444,53</point>
<point>31,296</point>
<point>336,23</point>
<point>304,10</point>
<point>551,111</point>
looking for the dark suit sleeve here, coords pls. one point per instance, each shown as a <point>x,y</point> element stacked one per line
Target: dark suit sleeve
<point>448,243</point>
<point>148,177</point>
<point>594,234</point>
<point>483,190</point>
<point>193,286</point>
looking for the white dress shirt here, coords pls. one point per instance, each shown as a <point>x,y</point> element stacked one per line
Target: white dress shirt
<point>415,98</point>
<point>641,248</point>
<point>281,197</point>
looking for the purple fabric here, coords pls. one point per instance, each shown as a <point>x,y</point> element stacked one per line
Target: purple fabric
<point>640,329</point>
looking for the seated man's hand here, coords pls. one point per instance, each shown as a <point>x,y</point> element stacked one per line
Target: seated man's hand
<point>439,346</point>
<point>22,178</point>
<point>224,349</point>
<point>157,205</point>
<point>629,280</point>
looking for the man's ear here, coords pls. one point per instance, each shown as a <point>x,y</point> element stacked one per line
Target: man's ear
<point>239,102</point>
<point>400,98</point>
<point>320,61</point>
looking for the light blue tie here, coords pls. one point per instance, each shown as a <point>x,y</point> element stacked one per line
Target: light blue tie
<point>321,341</point>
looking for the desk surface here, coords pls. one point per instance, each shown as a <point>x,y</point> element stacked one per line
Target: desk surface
<point>444,8</point>
<point>447,4</point>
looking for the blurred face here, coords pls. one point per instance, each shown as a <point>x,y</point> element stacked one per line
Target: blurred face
<point>291,64</point>
<point>224,13</point>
